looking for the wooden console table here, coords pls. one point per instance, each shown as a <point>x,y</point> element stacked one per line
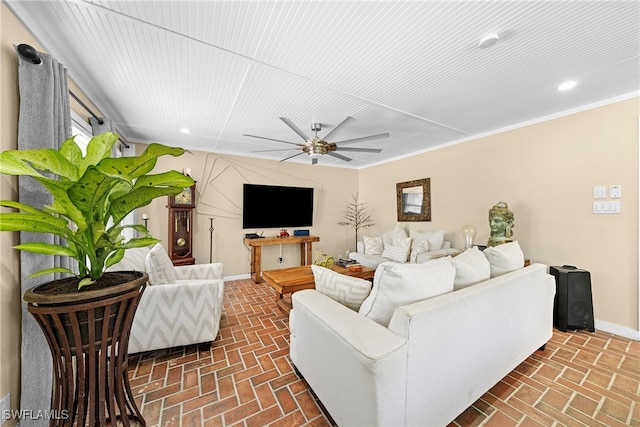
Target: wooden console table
<point>256,245</point>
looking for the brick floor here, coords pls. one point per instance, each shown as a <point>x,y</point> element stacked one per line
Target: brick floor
<point>245,378</point>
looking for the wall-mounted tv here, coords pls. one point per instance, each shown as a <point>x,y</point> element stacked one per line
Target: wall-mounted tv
<point>274,206</point>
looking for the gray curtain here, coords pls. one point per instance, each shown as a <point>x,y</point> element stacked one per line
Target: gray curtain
<point>45,121</point>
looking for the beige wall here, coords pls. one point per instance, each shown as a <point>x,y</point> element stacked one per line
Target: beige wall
<point>219,195</point>
<point>546,173</point>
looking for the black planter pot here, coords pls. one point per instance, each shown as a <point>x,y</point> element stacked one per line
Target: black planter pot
<point>88,335</point>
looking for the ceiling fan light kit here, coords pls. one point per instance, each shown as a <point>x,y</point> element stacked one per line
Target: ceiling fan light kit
<point>317,147</point>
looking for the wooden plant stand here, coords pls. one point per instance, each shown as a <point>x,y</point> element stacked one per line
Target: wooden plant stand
<point>89,344</point>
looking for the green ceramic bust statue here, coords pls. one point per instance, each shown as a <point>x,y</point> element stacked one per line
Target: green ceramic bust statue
<point>500,223</point>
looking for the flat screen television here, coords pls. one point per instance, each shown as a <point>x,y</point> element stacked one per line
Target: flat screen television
<point>274,206</point>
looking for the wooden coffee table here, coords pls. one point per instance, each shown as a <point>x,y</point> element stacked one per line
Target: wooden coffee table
<point>292,279</point>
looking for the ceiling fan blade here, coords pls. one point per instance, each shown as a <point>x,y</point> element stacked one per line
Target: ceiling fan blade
<point>363,138</point>
<point>291,157</point>
<point>362,150</point>
<point>314,161</point>
<point>347,120</point>
<point>276,149</point>
<point>270,139</point>
<point>295,128</point>
<point>338,156</point>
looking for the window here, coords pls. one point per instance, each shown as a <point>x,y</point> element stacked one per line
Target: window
<point>81,130</point>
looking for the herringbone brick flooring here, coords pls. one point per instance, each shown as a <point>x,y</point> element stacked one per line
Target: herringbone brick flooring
<point>245,378</point>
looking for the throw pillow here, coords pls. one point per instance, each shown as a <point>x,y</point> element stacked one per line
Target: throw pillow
<point>435,238</point>
<point>395,285</point>
<point>394,236</point>
<point>159,266</point>
<point>347,290</point>
<point>417,249</point>
<point>504,258</point>
<point>471,267</point>
<point>398,252</point>
<point>372,245</point>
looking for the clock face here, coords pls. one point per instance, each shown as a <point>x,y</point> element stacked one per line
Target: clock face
<point>184,198</point>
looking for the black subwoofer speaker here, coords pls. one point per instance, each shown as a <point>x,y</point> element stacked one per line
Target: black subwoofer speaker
<point>573,304</point>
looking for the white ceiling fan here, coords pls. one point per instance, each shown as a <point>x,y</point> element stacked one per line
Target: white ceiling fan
<point>317,147</point>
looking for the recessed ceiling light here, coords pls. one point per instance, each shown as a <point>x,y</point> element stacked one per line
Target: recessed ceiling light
<point>569,84</point>
<point>489,40</point>
<point>184,130</point>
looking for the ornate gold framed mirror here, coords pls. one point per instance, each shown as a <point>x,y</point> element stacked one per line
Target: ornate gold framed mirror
<point>414,200</point>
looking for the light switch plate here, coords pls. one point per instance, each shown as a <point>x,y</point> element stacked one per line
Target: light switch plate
<point>615,192</point>
<point>600,192</point>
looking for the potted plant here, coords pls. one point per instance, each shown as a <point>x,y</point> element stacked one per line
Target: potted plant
<point>87,317</point>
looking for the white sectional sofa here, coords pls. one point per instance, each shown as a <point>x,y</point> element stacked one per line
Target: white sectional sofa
<point>180,305</point>
<point>401,245</point>
<point>433,359</point>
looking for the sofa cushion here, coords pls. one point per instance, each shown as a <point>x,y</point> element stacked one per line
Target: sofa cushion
<point>392,237</point>
<point>159,266</point>
<point>398,252</point>
<point>348,291</point>
<point>441,253</point>
<point>395,285</point>
<point>372,245</point>
<point>435,238</point>
<point>504,258</point>
<point>471,267</point>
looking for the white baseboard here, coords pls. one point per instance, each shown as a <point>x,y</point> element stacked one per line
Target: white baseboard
<point>237,277</point>
<point>612,328</point>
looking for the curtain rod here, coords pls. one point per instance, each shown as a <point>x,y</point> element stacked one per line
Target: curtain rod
<point>29,53</point>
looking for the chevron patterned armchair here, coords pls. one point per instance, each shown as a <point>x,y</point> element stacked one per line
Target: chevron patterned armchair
<point>180,306</point>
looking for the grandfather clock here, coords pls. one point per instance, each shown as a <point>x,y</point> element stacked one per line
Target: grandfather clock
<point>181,226</point>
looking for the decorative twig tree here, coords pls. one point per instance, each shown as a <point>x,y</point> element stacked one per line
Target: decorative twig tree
<point>357,215</point>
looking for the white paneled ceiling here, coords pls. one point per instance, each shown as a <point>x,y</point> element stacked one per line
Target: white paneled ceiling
<point>410,68</point>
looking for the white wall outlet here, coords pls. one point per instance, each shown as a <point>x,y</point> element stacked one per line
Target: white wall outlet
<point>615,192</point>
<point>600,192</point>
<point>611,207</point>
<point>5,407</point>
<point>614,207</point>
<point>597,207</point>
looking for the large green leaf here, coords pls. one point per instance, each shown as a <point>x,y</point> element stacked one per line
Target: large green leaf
<point>140,242</point>
<point>70,151</point>
<point>114,258</point>
<point>11,165</point>
<point>165,179</point>
<point>43,159</point>
<point>99,147</point>
<point>21,206</point>
<point>134,167</point>
<point>139,197</point>
<point>90,193</point>
<point>46,249</point>
<point>51,271</point>
<point>62,203</point>
<point>18,221</point>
